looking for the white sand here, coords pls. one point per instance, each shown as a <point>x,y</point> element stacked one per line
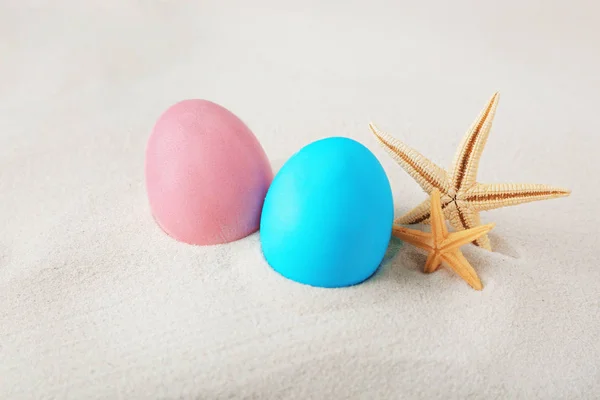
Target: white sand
<point>96,302</point>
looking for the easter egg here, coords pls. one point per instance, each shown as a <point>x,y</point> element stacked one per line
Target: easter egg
<point>327,218</point>
<point>206,174</point>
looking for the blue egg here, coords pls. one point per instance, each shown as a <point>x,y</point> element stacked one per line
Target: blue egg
<point>327,217</point>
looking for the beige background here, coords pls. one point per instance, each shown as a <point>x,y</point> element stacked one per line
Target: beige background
<point>96,302</point>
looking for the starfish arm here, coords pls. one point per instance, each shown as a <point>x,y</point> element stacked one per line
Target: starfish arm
<point>427,174</point>
<point>490,196</point>
<point>466,161</point>
<point>438,220</point>
<point>459,264</point>
<point>457,239</point>
<point>463,217</point>
<point>417,215</point>
<point>419,239</point>
<point>433,262</point>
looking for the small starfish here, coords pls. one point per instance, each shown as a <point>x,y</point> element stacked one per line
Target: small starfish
<point>462,197</point>
<point>443,246</point>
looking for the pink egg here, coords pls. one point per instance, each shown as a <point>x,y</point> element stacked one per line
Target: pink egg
<point>206,174</point>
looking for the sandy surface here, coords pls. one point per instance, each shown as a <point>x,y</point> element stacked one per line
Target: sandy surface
<point>96,302</point>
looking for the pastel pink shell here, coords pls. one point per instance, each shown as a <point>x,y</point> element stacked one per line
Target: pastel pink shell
<point>206,174</point>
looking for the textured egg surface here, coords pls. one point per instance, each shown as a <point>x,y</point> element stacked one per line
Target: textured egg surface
<point>206,174</point>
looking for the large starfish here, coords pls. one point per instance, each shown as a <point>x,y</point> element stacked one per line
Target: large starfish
<point>443,246</point>
<point>462,197</point>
